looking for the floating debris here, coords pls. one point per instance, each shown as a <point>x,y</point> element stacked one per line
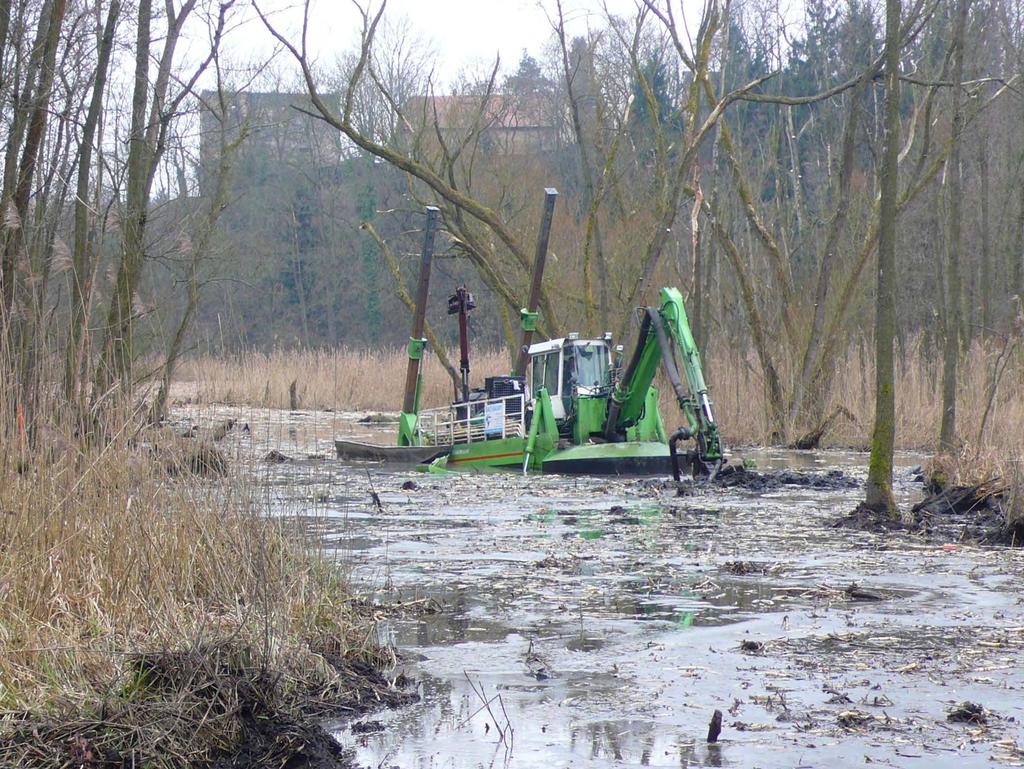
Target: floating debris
<point>367,727</point>
<point>857,593</point>
<point>741,726</point>
<point>378,419</point>
<point>968,713</point>
<point>535,664</point>
<point>851,719</point>
<point>745,568</point>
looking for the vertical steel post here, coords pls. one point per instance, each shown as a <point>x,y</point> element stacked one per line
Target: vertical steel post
<point>460,303</point>
<point>464,301</point>
<point>416,340</point>
<point>529,313</point>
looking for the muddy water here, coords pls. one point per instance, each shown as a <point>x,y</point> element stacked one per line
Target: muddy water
<point>591,623</point>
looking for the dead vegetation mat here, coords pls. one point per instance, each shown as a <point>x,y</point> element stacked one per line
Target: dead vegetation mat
<point>971,514</point>
<point>209,707</point>
<point>975,513</point>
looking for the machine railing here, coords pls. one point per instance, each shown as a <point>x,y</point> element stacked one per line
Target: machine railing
<point>478,420</point>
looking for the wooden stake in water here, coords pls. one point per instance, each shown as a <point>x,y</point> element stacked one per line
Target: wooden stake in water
<point>413,371</point>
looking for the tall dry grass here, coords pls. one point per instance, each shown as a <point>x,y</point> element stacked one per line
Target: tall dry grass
<point>359,380</point>
<point>107,559</point>
<point>739,395</point>
<point>341,379</point>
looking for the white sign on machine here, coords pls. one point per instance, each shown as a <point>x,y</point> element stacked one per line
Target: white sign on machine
<point>494,419</point>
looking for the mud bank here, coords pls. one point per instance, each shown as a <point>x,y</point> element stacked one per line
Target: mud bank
<point>206,707</point>
<point>965,514</point>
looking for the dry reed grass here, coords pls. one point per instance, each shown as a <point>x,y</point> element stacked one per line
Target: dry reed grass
<point>106,560</point>
<point>353,380</point>
<point>342,379</point>
<point>740,400</point>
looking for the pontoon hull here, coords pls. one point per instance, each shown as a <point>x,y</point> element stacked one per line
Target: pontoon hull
<point>628,458</point>
<point>633,458</point>
<point>408,455</point>
<point>499,452</point>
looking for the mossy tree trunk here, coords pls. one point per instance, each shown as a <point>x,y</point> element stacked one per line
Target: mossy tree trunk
<point>878,490</point>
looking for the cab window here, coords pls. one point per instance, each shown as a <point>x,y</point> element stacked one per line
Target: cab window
<point>545,373</point>
<point>569,370</point>
<point>551,373</point>
<point>592,365</point>
<point>537,381</point>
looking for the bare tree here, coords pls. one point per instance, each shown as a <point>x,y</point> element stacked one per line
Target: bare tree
<point>951,331</point>
<point>83,252</point>
<point>27,132</point>
<point>445,164</point>
<point>199,244</point>
<point>152,114</point>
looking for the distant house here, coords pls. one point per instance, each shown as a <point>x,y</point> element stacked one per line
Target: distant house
<point>279,132</point>
<point>506,124</point>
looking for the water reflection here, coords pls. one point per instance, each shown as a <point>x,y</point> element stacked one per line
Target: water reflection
<point>490,723</point>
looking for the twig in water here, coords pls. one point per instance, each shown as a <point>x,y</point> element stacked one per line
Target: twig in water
<point>506,733</point>
<point>374,496</point>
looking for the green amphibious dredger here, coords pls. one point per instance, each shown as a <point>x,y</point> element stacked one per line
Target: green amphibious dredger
<point>569,405</point>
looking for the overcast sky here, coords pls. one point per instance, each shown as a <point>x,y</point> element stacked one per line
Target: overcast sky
<point>461,32</point>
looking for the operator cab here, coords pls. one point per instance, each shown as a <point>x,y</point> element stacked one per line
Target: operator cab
<point>570,365</point>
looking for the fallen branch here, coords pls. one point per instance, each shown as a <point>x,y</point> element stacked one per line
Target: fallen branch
<point>812,439</point>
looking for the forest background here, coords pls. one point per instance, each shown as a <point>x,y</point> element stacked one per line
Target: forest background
<point>228,207</point>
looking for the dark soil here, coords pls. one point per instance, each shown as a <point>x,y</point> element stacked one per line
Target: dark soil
<point>737,477</point>
<point>865,518</point>
<point>1010,534</point>
<point>276,739</point>
<point>281,741</point>
<point>971,512</point>
<point>202,708</point>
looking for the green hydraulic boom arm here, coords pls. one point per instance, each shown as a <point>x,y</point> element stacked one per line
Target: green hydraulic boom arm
<point>663,333</point>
